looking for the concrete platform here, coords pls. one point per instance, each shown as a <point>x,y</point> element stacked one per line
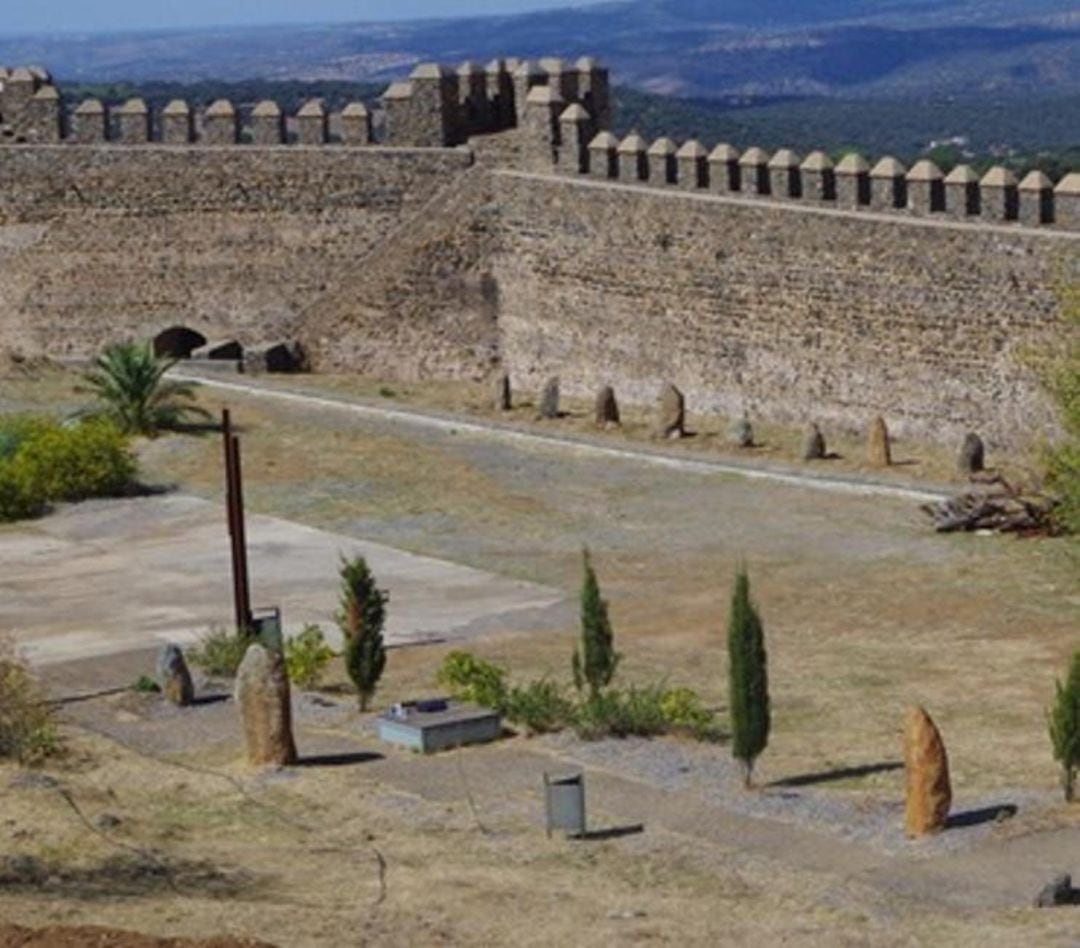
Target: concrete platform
<point>105,577</point>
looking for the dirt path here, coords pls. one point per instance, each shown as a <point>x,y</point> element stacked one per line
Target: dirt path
<point>654,457</point>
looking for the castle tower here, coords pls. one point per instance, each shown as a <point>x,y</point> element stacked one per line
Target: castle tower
<point>526,76</point>
<point>543,108</point>
<point>435,113</point>
<point>594,90</point>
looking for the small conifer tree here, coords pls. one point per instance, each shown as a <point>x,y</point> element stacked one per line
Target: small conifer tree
<point>748,678</point>
<point>594,665</point>
<point>1065,727</point>
<point>361,620</point>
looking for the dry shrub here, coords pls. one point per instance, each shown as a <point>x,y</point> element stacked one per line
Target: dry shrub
<point>28,732</point>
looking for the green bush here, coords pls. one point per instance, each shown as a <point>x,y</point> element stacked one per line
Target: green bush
<point>90,459</point>
<point>1064,722</point>
<point>43,461</point>
<point>1063,462</point>
<point>540,707</point>
<point>683,710</point>
<point>20,499</point>
<point>306,657</point>
<point>469,678</point>
<point>145,685</point>
<point>635,712</point>
<point>220,652</point>
<point>28,732</point>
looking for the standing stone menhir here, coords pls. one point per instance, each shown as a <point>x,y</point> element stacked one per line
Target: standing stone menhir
<point>262,694</point>
<point>878,451</point>
<point>672,413</point>
<point>928,791</point>
<point>813,448</point>
<point>174,677</point>
<point>503,397</point>
<point>549,399</point>
<point>607,408</point>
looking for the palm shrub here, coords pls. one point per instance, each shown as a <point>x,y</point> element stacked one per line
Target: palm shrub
<point>361,620</point>
<point>748,678</point>
<point>595,663</point>
<point>1064,721</point>
<point>128,380</point>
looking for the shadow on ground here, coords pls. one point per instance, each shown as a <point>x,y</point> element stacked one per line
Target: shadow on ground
<point>840,773</point>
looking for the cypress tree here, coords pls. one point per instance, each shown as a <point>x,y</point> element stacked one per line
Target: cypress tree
<point>361,620</point>
<point>595,664</point>
<point>1065,727</point>
<point>748,678</point>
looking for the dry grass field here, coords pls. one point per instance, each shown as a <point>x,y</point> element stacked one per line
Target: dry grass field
<point>866,610</point>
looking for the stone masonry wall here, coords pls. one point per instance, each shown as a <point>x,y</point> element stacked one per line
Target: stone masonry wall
<point>788,312</point>
<point>104,243</point>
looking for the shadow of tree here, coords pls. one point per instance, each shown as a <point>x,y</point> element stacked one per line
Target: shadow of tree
<point>840,773</point>
<point>339,760</point>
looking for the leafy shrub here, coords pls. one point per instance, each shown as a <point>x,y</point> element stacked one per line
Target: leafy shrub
<point>220,652</point>
<point>306,656</point>
<point>469,678</point>
<point>28,731</point>
<point>634,712</point>
<point>540,707</point>
<point>145,685</point>
<point>42,461</point>
<point>20,498</point>
<point>683,710</point>
<point>91,459</point>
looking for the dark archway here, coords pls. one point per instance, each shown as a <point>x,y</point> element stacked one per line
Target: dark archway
<point>178,342</point>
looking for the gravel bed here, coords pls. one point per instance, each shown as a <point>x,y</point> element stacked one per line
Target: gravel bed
<point>711,772</point>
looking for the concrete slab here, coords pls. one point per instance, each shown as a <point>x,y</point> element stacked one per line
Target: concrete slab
<point>105,577</point>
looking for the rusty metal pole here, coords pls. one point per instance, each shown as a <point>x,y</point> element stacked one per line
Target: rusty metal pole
<point>239,613</point>
<point>241,538</point>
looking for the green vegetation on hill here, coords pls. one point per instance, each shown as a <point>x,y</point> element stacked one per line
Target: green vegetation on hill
<point>1021,133</point>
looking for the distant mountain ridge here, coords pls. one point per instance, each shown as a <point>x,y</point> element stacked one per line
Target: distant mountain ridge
<point>700,48</point>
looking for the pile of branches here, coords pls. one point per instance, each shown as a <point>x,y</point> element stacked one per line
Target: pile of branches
<point>995,504</point>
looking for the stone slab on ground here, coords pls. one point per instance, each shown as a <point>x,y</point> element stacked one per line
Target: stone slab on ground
<point>105,577</point>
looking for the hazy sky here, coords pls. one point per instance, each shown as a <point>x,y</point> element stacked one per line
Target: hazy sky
<point>53,15</point>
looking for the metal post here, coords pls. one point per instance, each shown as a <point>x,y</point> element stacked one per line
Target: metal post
<point>241,537</point>
<point>234,511</point>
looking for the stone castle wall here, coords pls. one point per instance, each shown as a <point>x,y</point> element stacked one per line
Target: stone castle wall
<point>783,286</point>
<point>104,243</point>
<point>788,312</point>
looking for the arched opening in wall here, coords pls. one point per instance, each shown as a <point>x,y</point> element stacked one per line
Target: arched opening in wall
<point>178,342</point>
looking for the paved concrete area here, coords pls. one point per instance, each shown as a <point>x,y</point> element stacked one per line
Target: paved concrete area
<point>105,577</point>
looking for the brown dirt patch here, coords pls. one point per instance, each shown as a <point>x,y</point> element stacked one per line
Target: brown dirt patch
<point>92,936</point>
